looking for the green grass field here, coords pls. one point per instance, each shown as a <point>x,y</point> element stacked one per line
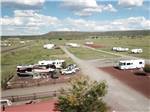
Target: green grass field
<point>85,53</point>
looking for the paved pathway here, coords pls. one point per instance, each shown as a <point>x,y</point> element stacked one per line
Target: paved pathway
<point>120,97</point>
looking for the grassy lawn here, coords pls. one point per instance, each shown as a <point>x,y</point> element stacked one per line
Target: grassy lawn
<point>85,53</point>
<point>29,55</point>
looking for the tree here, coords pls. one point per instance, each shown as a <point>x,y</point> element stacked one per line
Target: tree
<point>83,96</point>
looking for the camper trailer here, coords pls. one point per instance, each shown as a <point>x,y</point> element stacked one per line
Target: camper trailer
<point>120,49</point>
<point>57,63</point>
<point>72,44</point>
<point>89,43</point>
<point>49,70</point>
<point>131,64</point>
<point>48,46</point>
<point>137,50</point>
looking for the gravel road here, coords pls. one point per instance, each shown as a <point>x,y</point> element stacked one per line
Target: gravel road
<point>120,97</point>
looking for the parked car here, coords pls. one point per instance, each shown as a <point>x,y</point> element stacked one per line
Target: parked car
<point>68,71</point>
<point>73,66</point>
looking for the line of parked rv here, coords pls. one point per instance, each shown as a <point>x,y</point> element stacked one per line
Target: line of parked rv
<point>47,68</point>
<point>121,49</point>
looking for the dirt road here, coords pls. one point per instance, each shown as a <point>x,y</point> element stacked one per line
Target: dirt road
<point>120,97</point>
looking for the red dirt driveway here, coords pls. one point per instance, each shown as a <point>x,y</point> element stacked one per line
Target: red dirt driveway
<point>44,106</point>
<point>94,45</point>
<point>136,79</point>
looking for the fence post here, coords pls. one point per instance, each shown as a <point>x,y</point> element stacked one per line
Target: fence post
<point>34,96</point>
<point>12,99</point>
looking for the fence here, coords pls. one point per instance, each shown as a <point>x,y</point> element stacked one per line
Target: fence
<point>33,96</point>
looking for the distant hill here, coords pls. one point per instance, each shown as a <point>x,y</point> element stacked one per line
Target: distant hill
<point>80,35</point>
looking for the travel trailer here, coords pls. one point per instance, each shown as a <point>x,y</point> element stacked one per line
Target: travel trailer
<point>89,43</point>
<point>57,63</point>
<point>72,44</point>
<point>48,46</point>
<point>131,64</point>
<point>136,50</point>
<point>120,49</point>
<point>34,75</point>
<point>43,70</point>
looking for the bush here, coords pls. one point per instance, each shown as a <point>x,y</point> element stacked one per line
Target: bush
<point>147,68</point>
<point>83,96</point>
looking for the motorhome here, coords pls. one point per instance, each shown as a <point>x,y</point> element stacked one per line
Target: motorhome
<point>137,50</point>
<point>131,64</point>
<point>57,63</point>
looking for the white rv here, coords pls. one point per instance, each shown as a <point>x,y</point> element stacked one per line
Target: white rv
<point>57,63</point>
<point>72,44</point>
<point>89,43</point>
<point>48,46</point>
<point>120,49</point>
<point>137,50</point>
<point>131,64</point>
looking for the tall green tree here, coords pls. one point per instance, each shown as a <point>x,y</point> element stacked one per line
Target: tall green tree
<point>83,96</point>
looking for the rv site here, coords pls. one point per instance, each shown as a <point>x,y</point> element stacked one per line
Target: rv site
<point>70,69</point>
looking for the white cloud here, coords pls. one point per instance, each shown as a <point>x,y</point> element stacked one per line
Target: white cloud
<point>87,7</point>
<point>80,3</point>
<point>24,2</point>
<point>28,21</point>
<point>66,29</point>
<point>108,7</point>
<point>132,23</point>
<point>28,18</point>
<point>31,22</point>
<point>130,2</point>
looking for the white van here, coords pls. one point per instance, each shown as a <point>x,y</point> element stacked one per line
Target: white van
<point>131,64</point>
<point>5,102</point>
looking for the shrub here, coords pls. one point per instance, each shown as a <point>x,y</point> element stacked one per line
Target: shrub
<point>147,68</point>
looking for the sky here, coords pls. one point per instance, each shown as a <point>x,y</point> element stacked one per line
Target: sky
<point>36,17</point>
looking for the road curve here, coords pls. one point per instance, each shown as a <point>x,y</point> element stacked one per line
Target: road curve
<point>120,97</point>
